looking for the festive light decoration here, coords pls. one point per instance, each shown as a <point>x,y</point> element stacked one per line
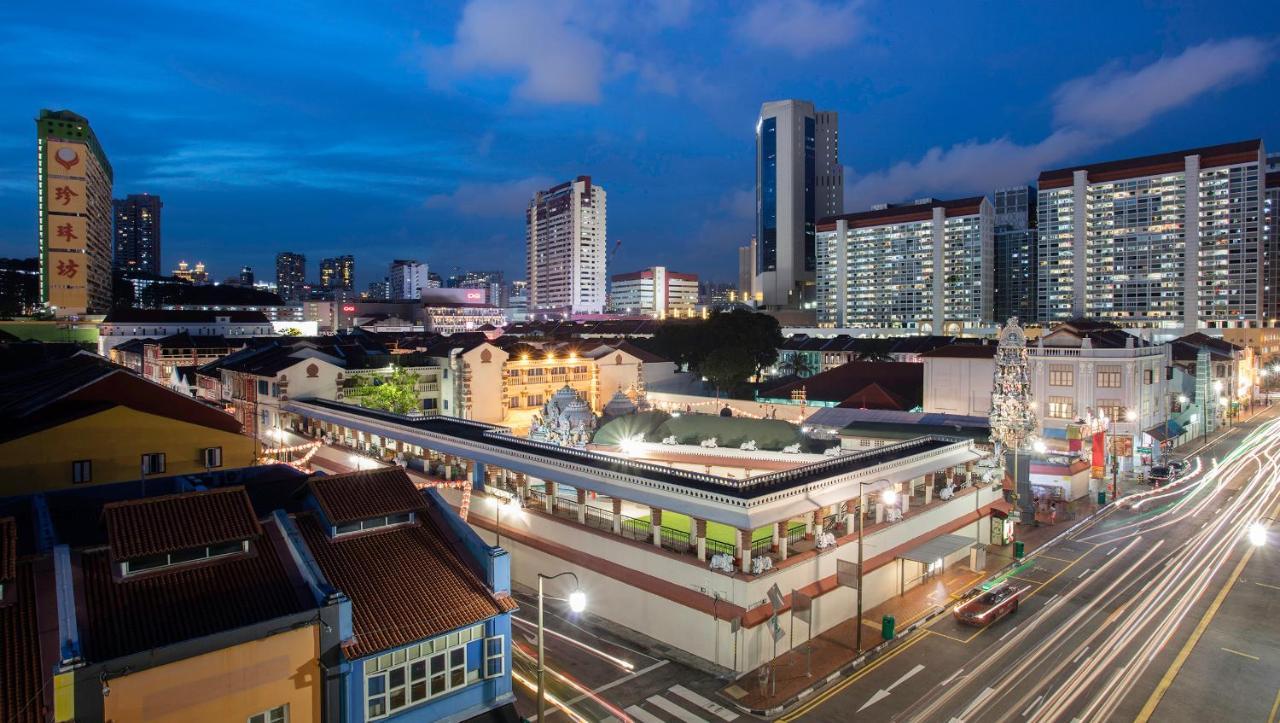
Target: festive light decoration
<point>1013,416</point>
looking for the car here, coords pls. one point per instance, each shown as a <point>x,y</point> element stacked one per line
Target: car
<point>1159,476</point>
<point>988,607</point>
<point>1178,466</point>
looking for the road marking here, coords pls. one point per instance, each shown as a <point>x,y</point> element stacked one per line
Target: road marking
<point>619,681</point>
<point>1243,655</point>
<point>1111,551</point>
<point>1055,597</point>
<point>1263,584</point>
<point>719,711</point>
<point>952,677</point>
<point>1274,707</point>
<point>977,702</point>
<point>643,715</point>
<point>884,692</point>
<point>1081,655</point>
<point>674,709</point>
<point>1086,572</point>
<point>1007,634</point>
<point>850,680</point>
<point>1203,525</point>
<point>1033,705</point>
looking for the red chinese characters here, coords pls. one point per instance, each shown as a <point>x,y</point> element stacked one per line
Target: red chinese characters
<point>67,232</point>
<point>64,194</point>
<point>68,269</point>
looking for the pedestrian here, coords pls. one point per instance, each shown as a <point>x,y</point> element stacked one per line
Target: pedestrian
<point>1053,513</point>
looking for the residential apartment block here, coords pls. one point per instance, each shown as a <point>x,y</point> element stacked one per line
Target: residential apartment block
<point>926,265</point>
<point>565,228</point>
<point>1015,253</point>
<point>655,291</point>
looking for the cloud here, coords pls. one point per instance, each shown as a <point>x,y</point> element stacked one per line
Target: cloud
<point>802,27</point>
<point>501,199</point>
<point>739,203</point>
<point>1088,113</point>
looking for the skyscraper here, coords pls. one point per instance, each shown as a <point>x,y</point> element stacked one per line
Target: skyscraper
<point>654,291</point>
<point>406,279</point>
<point>74,211</point>
<point>799,181</point>
<point>137,232</point>
<point>1170,241</point>
<point>1015,254</point>
<point>565,228</point>
<point>291,275</point>
<point>1271,241</point>
<point>338,272</point>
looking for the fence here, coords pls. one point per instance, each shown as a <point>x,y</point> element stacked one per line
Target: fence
<point>761,546</point>
<point>716,547</point>
<point>636,529</point>
<point>675,540</point>
<point>565,507</point>
<point>538,496</point>
<point>795,533</point>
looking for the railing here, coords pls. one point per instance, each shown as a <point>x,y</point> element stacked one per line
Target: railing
<point>636,529</point>
<point>795,533</point>
<point>716,547</point>
<point>831,523</point>
<point>761,546</point>
<point>538,496</point>
<point>599,518</point>
<point>564,507</point>
<point>674,540</point>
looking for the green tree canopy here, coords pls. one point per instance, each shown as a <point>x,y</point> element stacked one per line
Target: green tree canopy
<point>727,368</point>
<point>396,393</point>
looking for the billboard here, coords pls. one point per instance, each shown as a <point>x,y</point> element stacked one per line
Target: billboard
<point>66,159</point>
<point>455,296</point>
<point>68,232</point>
<point>65,195</point>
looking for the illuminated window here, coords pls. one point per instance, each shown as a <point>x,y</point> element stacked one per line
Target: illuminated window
<point>1061,407</point>
<point>1061,376</point>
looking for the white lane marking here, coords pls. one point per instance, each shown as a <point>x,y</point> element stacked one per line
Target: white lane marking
<point>674,709</point>
<point>884,692</point>
<point>1111,551</point>
<point>1055,597</point>
<point>624,679</point>
<point>904,678</point>
<point>643,715</point>
<point>1086,572</point>
<point>952,677</point>
<point>1033,705</point>
<point>977,702</point>
<point>1081,655</point>
<point>1007,634</point>
<point>715,709</point>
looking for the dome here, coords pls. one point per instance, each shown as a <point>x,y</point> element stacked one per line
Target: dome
<point>619,405</point>
<point>564,396</point>
<point>578,414</point>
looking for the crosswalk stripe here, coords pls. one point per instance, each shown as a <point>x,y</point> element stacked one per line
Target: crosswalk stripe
<point>643,715</point>
<point>713,708</point>
<point>674,709</point>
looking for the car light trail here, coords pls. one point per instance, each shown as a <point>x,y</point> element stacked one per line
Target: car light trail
<point>594,651</point>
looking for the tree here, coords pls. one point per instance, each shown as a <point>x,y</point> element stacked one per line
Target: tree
<point>755,336</point>
<point>727,368</point>
<point>796,364</point>
<point>396,393</point>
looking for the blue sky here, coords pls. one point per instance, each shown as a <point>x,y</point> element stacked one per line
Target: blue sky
<point>397,129</point>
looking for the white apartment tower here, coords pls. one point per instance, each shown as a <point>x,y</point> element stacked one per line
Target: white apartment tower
<point>406,279</point>
<point>1171,241</point>
<point>567,254</point>
<point>799,181</point>
<point>926,265</point>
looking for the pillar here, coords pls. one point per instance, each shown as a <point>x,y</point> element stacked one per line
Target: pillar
<point>879,511</point>
<point>617,516</point>
<point>700,535</point>
<point>582,506</point>
<point>819,519</point>
<point>780,539</point>
<point>852,510</point>
<point>655,525</point>
<point>549,498</point>
<point>778,533</point>
<point>477,475</point>
<point>904,500</point>
<point>744,550</point>
<point>928,489</point>
<point>808,525</point>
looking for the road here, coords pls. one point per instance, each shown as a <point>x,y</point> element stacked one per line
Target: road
<point>1157,609</point>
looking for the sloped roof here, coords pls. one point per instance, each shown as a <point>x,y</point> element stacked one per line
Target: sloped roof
<point>8,549</point>
<point>155,525</point>
<point>21,674</point>
<point>904,379</point>
<point>158,316</point>
<point>962,351</point>
<point>185,340</point>
<point>361,495</point>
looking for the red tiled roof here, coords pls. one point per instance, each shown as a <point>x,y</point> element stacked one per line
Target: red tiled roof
<point>406,583</point>
<point>21,684</point>
<point>176,522</point>
<point>169,606</point>
<point>361,495</point>
<point>8,549</point>
<point>904,379</point>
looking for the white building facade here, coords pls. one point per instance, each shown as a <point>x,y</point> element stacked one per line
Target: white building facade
<point>655,291</point>
<point>926,266</point>
<point>565,229</point>
<point>406,279</point>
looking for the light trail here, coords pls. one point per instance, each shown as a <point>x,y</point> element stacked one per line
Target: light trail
<point>550,698</point>
<point>594,651</point>
<point>586,693</point>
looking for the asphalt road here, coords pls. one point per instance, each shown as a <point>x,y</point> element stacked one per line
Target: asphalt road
<point>1158,609</point>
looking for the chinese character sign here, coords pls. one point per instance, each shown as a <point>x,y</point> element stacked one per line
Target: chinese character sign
<point>65,196</point>
<point>66,159</point>
<point>67,232</point>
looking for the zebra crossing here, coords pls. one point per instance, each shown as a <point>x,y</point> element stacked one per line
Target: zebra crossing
<point>678,703</point>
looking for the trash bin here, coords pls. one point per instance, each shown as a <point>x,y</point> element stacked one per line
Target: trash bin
<point>1102,497</point>
<point>887,623</point>
<point>1017,549</point>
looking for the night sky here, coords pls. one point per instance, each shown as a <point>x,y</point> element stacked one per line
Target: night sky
<point>420,129</point>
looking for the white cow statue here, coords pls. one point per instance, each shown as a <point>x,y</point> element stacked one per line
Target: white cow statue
<point>748,446</point>
<point>670,440</point>
<point>723,562</point>
<point>710,443</point>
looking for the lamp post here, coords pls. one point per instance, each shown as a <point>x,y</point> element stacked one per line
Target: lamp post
<point>887,497</point>
<point>512,505</point>
<point>577,603</point>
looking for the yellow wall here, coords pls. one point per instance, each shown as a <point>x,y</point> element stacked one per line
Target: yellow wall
<point>115,440</point>
<point>225,685</point>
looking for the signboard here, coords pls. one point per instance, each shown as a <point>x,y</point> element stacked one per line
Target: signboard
<point>735,624</point>
<point>64,297</point>
<point>66,268</point>
<point>847,574</point>
<point>776,630</point>
<point>775,598</point>
<point>65,195</point>
<point>1144,450</point>
<point>68,232</point>
<point>65,159</point>
<point>801,606</point>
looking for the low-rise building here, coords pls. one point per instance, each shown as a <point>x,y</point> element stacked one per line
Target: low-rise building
<point>958,379</point>
<point>162,357</point>
<point>655,291</point>
<point>122,325</point>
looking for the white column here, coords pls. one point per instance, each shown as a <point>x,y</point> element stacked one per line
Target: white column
<point>939,266</point>
<point>744,550</point>
<point>1191,254</point>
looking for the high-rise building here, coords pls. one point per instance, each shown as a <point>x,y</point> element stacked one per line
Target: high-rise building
<point>1015,253</point>
<point>338,272</point>
<point>378,291</point>
<point>291,275</point>
<point>799,181</point>
<point>186,272</point>
<point>518,300</point>
<point>747,271</point>
<point>137,232</point>
<point>74,212</point>
<point>19,286</point>
<point>489,280</point>
<point>406,279</point>
<point>1170,241</point>
<point>1271,242</point>
<point>655,291</point>
<point>246,276</point>
<point>925,265</point>
<point>565,228</point>
<point>434,280</point>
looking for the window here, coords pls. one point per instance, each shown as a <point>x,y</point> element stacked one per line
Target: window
<point>1111,408</point>
<point>279,714</point>
<point>262,387</point>
<point>178,557</point>
<point>81,471</point>
<point>1061,376</point>
<point>153,463</point>
<point>515,403</point>
<point>494,656</point>
<point>374,523</point>
<point>403,678</point>
<point>213,456</point>
<point>1061,407</point>
<point>1108,377</point>
<point>1148,376</point>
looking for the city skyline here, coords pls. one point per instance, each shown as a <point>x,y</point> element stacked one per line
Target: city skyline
<point>630,112</point>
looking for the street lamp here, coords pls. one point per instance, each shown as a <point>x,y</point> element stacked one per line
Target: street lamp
<point>1039,446</point>
<point>577,603</point>
<point>1257,534</point>
<point>888,497</point>
<point>512,505</point>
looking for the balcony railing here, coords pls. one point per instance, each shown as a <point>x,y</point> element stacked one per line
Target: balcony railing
<point>636,529</point>
<point>599,518</point>
<point>674,540</point>
<point>761,546</point>
<point>716,547</point>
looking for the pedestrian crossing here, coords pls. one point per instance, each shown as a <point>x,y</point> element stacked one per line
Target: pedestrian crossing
<point>678,703</point>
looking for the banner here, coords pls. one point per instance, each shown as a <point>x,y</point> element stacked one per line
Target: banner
<point>65,195</point>
<point>1099,455</point>
<point>68,232</point>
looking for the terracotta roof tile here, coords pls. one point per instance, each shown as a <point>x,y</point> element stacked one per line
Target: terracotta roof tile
<point>177,522</point>
<point>21,684</point>
<point>360,495</point>
<point>8,549</point>
<point>406,583</point>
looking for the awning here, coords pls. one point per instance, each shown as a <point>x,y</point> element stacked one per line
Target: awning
<point>938,548</point>
<point>1162,432</point>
